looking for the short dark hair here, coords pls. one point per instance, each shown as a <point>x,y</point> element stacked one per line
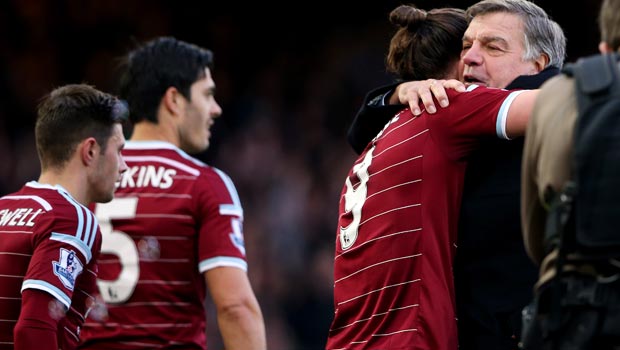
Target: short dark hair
<point>70,114</point>
<point>426,44</point>
<point>149,70</point>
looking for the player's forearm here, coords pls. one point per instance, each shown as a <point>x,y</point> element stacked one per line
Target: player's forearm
<point>29,335</point>
<point>242,327</point>
<point>35,328</point>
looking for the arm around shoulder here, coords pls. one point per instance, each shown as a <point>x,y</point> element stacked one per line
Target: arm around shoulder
<point>371,118</point>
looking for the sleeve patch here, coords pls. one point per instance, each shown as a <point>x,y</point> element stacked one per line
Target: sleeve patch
<point>67,268</point>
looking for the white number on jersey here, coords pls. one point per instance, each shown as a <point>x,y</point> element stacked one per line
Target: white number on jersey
<point>120,244</point>
<point>354,200</point>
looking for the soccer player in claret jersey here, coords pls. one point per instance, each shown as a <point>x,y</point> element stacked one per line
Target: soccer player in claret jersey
<point>175,226</point>
<point>49,240</point>
<point>398,212</point>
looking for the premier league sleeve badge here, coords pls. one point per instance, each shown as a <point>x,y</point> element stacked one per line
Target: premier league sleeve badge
<point>67,268</point>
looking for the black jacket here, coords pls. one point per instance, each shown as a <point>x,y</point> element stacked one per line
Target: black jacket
<point>493,275</point>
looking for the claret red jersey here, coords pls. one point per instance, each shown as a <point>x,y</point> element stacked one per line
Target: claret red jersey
<point>396,233</point>
<point>172,219</point>
<point>48,242</point>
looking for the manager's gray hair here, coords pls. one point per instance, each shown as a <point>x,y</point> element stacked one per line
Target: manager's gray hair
<point>541,34</point>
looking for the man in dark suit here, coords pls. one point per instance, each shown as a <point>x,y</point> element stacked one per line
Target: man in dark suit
<point>510,44</point>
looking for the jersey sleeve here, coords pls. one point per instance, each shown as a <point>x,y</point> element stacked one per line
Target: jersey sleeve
<point>64,247</point>
<point>220,241</point>
<point>83,300</point>
<point>477,113</point>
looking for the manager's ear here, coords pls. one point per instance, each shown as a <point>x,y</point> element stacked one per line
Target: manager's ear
<point>88,150</point>
<point>541,62</point>
<point>604,47</point>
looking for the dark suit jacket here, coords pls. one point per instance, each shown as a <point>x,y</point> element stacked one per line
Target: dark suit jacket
<point>493,275</point>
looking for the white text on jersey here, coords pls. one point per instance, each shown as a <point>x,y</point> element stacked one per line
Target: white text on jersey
<point>18,217</point>
<point>148,175</point>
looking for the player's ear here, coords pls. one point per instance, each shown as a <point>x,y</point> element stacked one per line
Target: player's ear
<point>173,101</point>
<point>88,150</point>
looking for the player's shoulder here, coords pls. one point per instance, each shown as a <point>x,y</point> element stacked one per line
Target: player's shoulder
<point>168,155</point>
<point>36,195</point>
<point>45,205</point>
<point>476,89</point>
<point>164,154</point>
<point>476,96</point>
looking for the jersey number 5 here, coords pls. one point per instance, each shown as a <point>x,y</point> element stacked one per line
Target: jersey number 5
<point>120,244</point>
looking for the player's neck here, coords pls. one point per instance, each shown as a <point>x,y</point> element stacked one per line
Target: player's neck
<point>147,131</point>
<point>74,181</point>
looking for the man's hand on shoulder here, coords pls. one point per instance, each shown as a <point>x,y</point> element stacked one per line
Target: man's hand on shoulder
<point>412,92</point>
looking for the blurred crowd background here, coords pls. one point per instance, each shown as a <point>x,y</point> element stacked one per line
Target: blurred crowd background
<point>289,78</point>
